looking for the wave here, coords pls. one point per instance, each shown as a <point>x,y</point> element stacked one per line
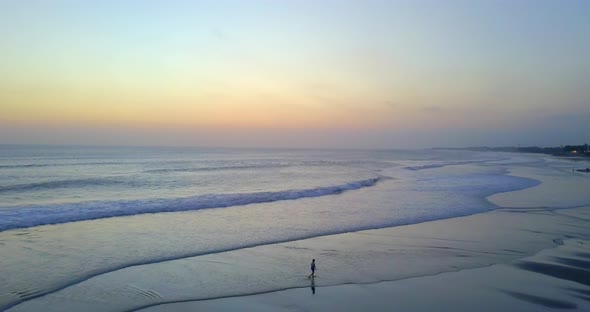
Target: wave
<point>73,164</point>
<point>62,165</point>
<point>35,215</point>
<point>76,183</point>
<point>320,163</point>
<point>451,163</point>
<point>24,166</point>
<point>205,169</point>
<point>189,169</point>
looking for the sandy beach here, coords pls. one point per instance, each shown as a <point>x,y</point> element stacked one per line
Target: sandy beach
<point>556,277</point>
<point>553,279</point>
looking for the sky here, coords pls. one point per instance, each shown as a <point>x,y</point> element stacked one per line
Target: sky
<point>338,74</point>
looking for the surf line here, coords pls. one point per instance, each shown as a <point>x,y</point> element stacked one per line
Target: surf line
<point>84,211</point>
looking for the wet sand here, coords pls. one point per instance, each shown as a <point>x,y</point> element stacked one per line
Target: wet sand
<point>557,277</point>
<point>509,259</point>
<point>553,279</point>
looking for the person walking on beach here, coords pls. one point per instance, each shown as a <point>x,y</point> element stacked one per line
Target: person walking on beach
<point>313,267</point>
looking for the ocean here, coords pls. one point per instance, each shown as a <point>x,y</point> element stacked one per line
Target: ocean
<point>71,213</point>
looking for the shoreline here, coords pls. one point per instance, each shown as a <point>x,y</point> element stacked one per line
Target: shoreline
<point>473,286</point>
<point>357,258</point>
<point>528,267</point>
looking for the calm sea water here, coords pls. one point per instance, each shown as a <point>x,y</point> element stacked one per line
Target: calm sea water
<point>70,213</point>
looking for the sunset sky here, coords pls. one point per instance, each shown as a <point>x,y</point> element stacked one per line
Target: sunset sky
<point>367,74</point>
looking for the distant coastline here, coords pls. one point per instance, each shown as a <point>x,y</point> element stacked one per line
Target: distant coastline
<point>561,151</point>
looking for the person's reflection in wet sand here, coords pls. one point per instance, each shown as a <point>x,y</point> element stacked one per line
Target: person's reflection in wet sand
<point>312,285</point>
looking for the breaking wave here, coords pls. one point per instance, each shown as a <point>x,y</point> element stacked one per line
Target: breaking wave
<point>34,215</point>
